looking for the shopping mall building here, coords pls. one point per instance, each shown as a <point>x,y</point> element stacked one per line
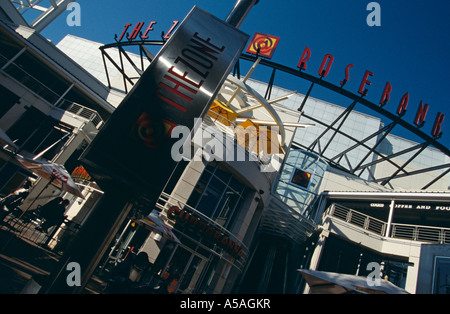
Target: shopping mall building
<point>336,192</point>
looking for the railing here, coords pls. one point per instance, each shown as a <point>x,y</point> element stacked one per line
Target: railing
<point>358,219</point>
<point>421,233</point>
<point>398,231</point>
<point>85,112</point>
<point>166,201</point>
<point>53,98</point>
<point>26,227</point>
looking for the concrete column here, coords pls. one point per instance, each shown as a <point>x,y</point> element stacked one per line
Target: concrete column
<point>317,254</point>
<point>391,215</point>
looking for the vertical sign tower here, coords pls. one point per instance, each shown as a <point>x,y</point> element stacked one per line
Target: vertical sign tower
<point>131,158</point>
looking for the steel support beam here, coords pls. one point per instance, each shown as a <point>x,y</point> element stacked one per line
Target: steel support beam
<point>239,12</point>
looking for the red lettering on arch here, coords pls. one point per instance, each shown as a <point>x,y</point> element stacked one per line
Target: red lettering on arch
<point>401,110</point>
<point>328,61</point>
<point>365,82</point>
<point>305,57</point>
<point>136,31</point>
<point>149,28</point>
<point>347,75</point>
<point>124,31</point>
<point>421,115</point>
<point>438,125</point>
<point>386,94</point>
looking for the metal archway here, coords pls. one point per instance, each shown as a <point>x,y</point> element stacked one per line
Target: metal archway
<point>319,145</point>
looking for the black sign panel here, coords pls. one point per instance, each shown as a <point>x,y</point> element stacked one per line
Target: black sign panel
<point>134,147</point>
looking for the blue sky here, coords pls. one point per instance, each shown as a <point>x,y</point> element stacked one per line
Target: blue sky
<point>409,49</point>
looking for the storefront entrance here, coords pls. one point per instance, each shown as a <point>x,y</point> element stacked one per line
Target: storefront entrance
<point>185,270</point>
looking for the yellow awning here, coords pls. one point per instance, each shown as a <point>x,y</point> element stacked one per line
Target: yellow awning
<point>222,113</point>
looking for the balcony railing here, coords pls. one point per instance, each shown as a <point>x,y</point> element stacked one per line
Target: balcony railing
<point>54,99</point>
<point>166,201</point>
<point>26,227</point>
<point>86,113</point>
<point>399,231</point>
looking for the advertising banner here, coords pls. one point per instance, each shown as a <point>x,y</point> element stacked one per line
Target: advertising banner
<point>134,147</point>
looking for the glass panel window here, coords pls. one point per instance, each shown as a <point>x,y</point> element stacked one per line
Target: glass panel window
<point>35,132</point>
<point>441,284</point>
<point>199,189</point>
<point>8,98</point>
<point>38,77</point>
<point>218,195</point>
<point>226,208</point>
<point>301,178</point>
<point>211,195</point>
<point>222,175</point>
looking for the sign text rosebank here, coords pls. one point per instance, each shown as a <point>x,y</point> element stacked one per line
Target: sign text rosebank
<point>422,111</point>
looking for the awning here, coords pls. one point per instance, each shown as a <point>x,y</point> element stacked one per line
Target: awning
<point>5,140</point>
<point>322,282</point>
<point>155,222</point>
<point>54,173</point>
<point>222,113</point>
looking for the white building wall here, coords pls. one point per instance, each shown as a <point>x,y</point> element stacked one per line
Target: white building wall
<point>87,54</point>
<point>430,157</point>
<point>340,181</point>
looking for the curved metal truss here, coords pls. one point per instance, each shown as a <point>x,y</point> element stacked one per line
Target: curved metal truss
<point>320,145</point>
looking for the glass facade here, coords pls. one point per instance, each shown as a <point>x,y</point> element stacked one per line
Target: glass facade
<point>218,195</point>
<point>441,276</point>
<point>299,182</point>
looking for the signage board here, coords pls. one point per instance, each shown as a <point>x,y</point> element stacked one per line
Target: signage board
<point>263,45</point>
<point>134,146</point>
<point>209,231</point>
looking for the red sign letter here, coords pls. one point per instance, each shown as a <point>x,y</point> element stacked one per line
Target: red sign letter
<point>305,57</point>
<point>420,115</point>
<point>149,28</point>
<point>124,31</point>
<point>365,81</point>
<point>136,31</point>
<point>437,125</point>
<point>328,60</point>
<point>175,23</point>
<point>347,75</point>
<point>386,94</point>
<point>172,213</point>
<point>403,105</point>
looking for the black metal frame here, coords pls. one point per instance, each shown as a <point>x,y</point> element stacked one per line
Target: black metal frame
<point>334,127</point>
